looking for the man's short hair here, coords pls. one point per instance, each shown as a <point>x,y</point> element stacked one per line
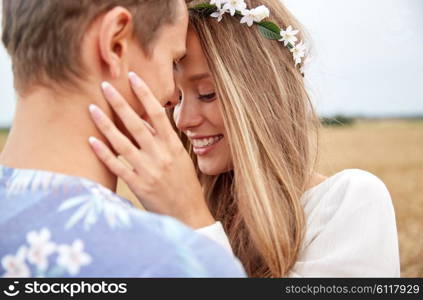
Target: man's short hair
<point>43,37</point>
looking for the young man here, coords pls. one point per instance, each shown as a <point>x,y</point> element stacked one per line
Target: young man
<point>58,214</point>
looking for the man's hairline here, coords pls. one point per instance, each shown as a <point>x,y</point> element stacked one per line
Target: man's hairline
<point>148,49</point>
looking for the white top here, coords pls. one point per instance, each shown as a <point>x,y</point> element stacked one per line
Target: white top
<point>351,229</point>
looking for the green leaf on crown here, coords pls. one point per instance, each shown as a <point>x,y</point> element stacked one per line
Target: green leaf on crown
<point>269,30</point>
<point>204,8</point>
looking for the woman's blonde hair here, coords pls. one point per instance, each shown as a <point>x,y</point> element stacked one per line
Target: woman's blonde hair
<point>269,122</point>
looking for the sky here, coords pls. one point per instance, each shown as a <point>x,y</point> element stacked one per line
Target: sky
<point>367,58</point>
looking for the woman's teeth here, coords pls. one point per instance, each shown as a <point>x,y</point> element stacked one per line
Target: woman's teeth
<point>207,141</point>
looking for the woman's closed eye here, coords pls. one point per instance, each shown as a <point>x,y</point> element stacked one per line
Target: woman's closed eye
<point>207,97</point>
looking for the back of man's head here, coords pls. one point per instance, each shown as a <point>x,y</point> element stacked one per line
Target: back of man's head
<point>43,37</point>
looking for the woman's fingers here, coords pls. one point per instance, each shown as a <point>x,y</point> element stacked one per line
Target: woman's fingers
<point>111,161</point>
<point>154,110</point>
<point>122,145</point>
<point>133,123</point>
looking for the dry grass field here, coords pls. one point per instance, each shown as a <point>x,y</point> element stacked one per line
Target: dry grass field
<point>392,150</point>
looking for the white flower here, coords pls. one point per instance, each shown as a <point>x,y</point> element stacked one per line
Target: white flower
<point>15,266</point>
<point>260,13</point>
<point>288,36</point>
<point>298,52</point>
<point>218,14</point>
<point>248,17</point>
<point>218,3</point>
<point>73,257</point>
<point>254,15</point>
<point>40,248</point>
<point>233,5</point>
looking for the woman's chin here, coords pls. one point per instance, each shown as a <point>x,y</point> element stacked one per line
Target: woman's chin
<point>213,169</point>
<point>210,171</point>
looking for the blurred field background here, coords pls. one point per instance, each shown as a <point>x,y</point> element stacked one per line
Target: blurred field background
<point>393,151</point>
<point>390,149</point>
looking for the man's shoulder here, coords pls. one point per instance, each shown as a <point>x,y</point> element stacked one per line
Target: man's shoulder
<point>76,202</point>
<point>80,228</point>
<point>74,207</point>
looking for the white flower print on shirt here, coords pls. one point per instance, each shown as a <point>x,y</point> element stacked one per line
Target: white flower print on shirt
<point>29,181</point>
<point>40,248</point>
<point>92,206</point>
<point>70,258</point>
<point>18,186</point>
<point>73,257</point>
<point>15,265</point>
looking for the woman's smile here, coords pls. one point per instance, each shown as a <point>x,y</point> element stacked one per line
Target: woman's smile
<point>202,145</point>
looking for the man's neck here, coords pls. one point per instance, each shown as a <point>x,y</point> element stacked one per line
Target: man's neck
<point>50,133</point>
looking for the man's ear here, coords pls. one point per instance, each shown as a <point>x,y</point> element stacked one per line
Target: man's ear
<point>116,30</point>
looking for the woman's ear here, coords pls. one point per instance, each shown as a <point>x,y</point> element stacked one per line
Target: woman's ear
<point>116,30</point>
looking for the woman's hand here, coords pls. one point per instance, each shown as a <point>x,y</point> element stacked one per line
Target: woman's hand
<point>162,174</point>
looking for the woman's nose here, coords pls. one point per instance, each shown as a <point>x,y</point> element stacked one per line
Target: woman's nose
<point>187,115</point>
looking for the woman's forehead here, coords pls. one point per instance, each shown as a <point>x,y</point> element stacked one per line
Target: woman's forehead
<point>194,60</point>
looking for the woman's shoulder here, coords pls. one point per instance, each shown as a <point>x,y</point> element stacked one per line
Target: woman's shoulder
<point>360,183</point>
<point>349,180</point>
<point>348,189</point>
<point>351,228</point>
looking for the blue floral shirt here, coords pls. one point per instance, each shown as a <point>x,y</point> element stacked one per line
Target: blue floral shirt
<point>53,225</point>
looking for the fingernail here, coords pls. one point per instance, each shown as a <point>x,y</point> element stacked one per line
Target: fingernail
<point>95,111</point>
<point>105,85</point>
<point>92,140</point>
<point>135,80</point>
<point>95,143</point>
<point>107,90</point>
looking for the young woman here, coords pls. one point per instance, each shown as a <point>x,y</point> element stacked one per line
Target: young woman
<point>247,121</point>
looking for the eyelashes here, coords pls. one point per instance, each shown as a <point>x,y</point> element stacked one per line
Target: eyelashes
<point>208,97</point>
<point>204,98</point>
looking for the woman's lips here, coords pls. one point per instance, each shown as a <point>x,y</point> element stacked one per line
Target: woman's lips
<point>204,145</point>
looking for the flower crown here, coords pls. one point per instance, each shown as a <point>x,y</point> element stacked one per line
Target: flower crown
<point>218,8</point>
